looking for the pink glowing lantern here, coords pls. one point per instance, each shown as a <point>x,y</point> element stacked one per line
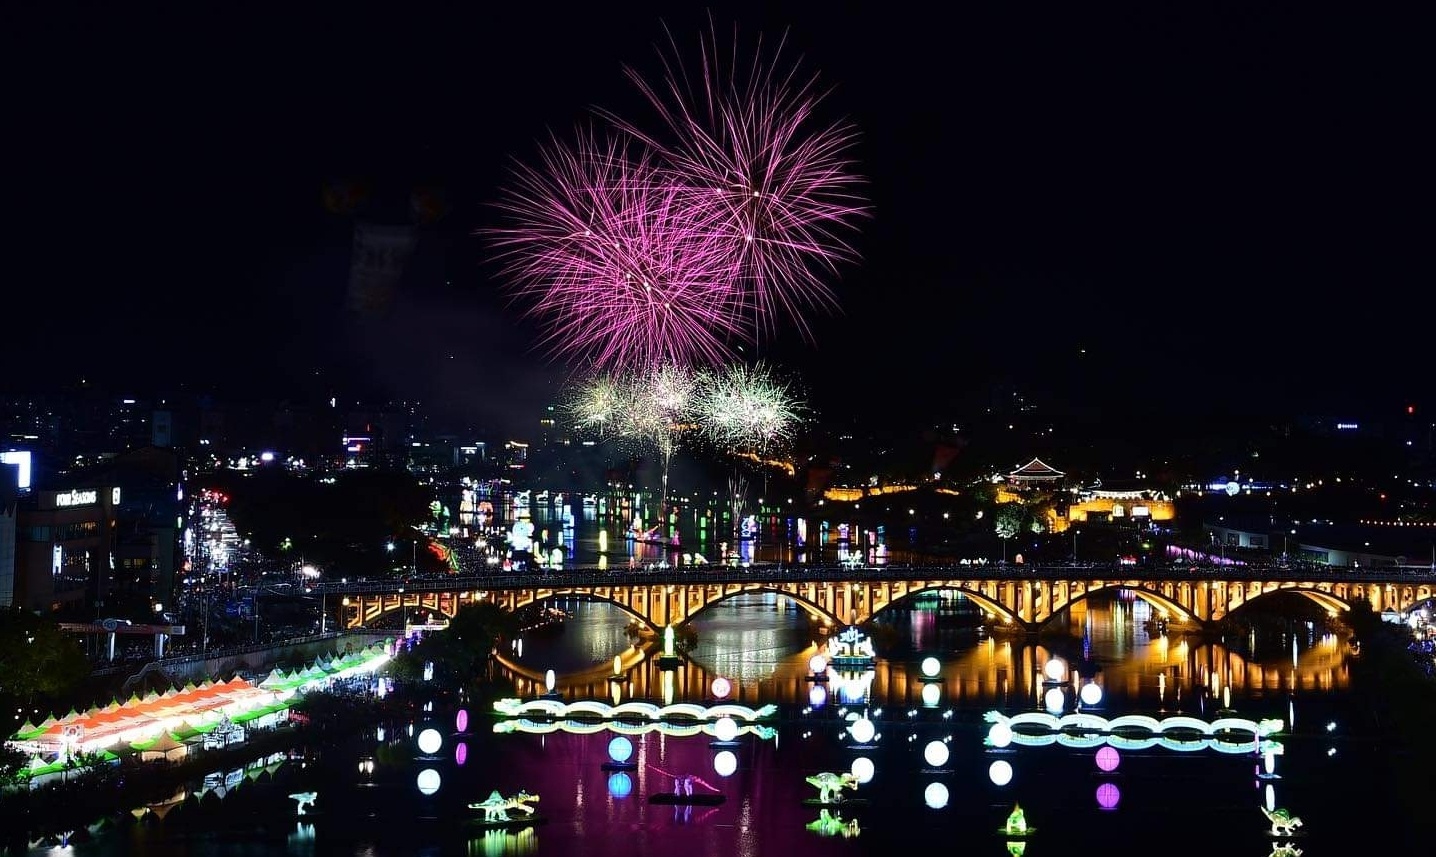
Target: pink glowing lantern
<point>1108,796</point>
<point>721,687</point>
<point>461,754</point>
<point>1108,759</point>
<point>461,722</point>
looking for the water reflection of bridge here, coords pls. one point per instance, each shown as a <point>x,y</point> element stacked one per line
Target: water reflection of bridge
<point>1172,675</point>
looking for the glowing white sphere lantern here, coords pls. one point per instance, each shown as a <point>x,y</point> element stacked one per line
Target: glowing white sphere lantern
<point>430,742</point>
<point>1091,693</point>
<point>549,680</point>
<point>1000,735</point>
<point>863,730</point>
<point>1000,772</point>
<point>1054,701</point>
<point>935,754</point>
<point>931,667</point>
<point>931,695</point>
<point>863,770</point>
<point>721,687</point>
<point>620,749</point>
<point>429,781</point>
<point>935,795</point>
<point>1055,670</point>
<point>818,664</point>
<point>725,763</point>
<point>725,729</point>
<point>817,696</point>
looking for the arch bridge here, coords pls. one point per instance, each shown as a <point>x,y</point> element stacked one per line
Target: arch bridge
<point>1022,596</point>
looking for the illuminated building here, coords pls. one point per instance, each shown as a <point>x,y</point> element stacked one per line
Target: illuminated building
<point>1036,474</point>
<point>64,548</point>
<point>10,486</point>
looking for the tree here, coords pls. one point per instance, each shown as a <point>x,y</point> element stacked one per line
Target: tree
<point>1007,521</point>
<point>37,660</point>
<point>12,762</point>
<point>460,653</point>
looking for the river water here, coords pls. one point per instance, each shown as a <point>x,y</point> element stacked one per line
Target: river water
<point>1079,799</point>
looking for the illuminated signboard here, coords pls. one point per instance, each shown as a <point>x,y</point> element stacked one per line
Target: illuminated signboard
<point>76,497</point>
<point>20,458</point>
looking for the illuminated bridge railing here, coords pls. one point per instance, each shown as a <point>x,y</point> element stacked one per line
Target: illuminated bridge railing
<point>594,576</point>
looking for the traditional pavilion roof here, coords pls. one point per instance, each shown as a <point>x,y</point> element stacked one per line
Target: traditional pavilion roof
<point>1036,469</point>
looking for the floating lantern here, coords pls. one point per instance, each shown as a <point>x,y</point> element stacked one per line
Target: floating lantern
<point>935,795</point>
<point>549,680</point>
<point>461,721</point>
<point>1000,735</point>
<point>620,749</point>
<point>863,730</point>
<point>935,754</point>
<point>1055,670</point>
<point>725,729</point>
<point>931,667</point>
<point>818,664</point>
<point>430,742</point>
<point>1108,759</point>
<point>721,687</point>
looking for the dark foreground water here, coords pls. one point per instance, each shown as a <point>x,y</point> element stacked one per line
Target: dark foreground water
<point>1332,772</point>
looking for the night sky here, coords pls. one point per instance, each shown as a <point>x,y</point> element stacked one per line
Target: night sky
<point>1226,210</point>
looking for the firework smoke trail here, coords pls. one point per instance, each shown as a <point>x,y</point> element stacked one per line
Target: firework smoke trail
<point>621,270</point>
<point>767,180</point>
<point>745,408</point>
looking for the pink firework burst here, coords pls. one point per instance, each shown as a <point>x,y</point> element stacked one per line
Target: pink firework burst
<point>773,183</point>
<point>622,272</point>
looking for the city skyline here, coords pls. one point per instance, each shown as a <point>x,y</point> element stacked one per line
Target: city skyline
<point>1170,212</point>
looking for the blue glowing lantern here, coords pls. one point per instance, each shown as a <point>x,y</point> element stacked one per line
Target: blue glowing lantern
<point>620,750</point>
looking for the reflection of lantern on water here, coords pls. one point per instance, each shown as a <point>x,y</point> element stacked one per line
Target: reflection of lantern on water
<point>935,754</point>
<point>863,731</point>
<point>1055,670</point>
<point>935,795</point>
<point>428,781</point>
<point>620,785</point>
<point>725,763</point>
<point>1108,796</point>
<point>461,754</point>
<point>863,770</point>
<point>1000,772</point>
<point>1054,700</point>
<point>721,687</point>
<point>931,695</point>
<point>817,696</point>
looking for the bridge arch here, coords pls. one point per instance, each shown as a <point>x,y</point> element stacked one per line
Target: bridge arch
<point>807,605</point>
<point>990,606</point>
<point>1164,604</point>
<point>1330,601</point>
<point>583,594</point>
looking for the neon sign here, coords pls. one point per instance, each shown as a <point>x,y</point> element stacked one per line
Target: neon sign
<point>77,498</point>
